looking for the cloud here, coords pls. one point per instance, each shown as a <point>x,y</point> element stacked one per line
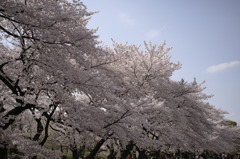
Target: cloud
<point>222,66</point>
<point>152,34</point>
<point>126,20</point>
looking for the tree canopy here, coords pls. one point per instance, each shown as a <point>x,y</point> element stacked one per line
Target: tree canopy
<point>56,80</point>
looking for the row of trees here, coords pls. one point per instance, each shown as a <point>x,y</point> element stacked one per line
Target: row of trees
<point>56,80</point>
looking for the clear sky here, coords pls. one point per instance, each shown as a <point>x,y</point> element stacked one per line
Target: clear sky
<point>204,34</point>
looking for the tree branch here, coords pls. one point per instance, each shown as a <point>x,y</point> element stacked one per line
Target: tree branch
<point>16,111</point>
<point>124,115</point>
<point>47,125</point>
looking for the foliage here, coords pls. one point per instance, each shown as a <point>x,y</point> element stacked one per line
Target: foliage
<point>57,82</point>
<point>230,123</point>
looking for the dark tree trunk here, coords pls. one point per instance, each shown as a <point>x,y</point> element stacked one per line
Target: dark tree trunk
<point>39,130</point>
<point>61,149</point>
<point>142,154</point>
<point>112,154</point>
<point>49,117</point>
<point>96,149</point>
<point>74,149</point>
<point>35,157</point>
<point>156,154</point>
<point>3,153</point>
<point>82,151</point>
<point>127,151</point>
<point>75,154</point>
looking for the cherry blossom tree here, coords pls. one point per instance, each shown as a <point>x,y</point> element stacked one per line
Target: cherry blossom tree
<point>54,73</point>
<point>50,54</point>
<point>178,116</point>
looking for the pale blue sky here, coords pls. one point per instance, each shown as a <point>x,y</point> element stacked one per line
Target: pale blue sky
<point>203,33</point>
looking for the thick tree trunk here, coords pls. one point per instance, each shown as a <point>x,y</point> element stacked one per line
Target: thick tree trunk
<point>61,149</point>
<point>81,152</point>
<point>142,154</point>
<point>156,154</point>
<point>35,157</point>
<point>3,153</point>
<point>112,154</point>
<point>48,123</point>
<point>127,151</point>
<point>75,154</point>
<point>74,149</point>
<point>39,132</point>
<point>96,149</point>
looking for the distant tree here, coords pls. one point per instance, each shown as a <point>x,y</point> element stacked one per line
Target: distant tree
<point>230,123</point>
